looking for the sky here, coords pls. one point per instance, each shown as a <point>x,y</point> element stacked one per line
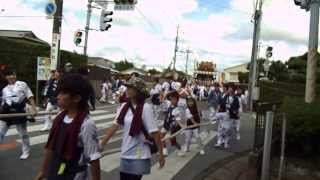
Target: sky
<point>214,30</point>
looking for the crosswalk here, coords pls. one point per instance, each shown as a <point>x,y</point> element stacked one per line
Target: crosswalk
<point>103,119</point>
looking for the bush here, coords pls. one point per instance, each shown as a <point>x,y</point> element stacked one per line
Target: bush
<point>303,130</point>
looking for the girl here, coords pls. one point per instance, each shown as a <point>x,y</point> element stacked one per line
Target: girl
<point>73,141</point>
<point>193,117</point>
<point>172,122</point>
<point>104,91</point>
<point>136,118</point>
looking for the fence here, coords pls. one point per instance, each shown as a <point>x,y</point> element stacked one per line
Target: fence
<point>266,134</point>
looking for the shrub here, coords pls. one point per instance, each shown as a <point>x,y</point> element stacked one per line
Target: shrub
<point>303,130</point>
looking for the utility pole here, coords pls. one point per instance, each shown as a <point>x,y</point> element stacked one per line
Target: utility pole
<point>187,60</point>
<point>87,28</point>
<point>312,54</point>
<point>176,49</point>
<point>56,36</point>
<point>254,54</point>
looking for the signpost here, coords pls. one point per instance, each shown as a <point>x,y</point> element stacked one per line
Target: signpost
<point>54,51</point>
<point>43,73</point>
<point>50,9</point>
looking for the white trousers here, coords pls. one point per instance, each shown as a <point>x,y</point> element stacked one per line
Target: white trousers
<point>224,131</point>
<point>23,133</point>
<point>189,133</point>
<point>48,121</point>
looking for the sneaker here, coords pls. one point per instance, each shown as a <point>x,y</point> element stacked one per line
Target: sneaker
<point>165,152</point>
<point>44,129</point>
<point>202,152</point>
<point>217,145</point>
<point>24,156</point>
<point>180,153</point>
<point>238,136</point>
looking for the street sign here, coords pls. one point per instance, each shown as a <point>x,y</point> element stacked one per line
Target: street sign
<point>43,69</point>
<point>54,51</point>
<point>50,9</point>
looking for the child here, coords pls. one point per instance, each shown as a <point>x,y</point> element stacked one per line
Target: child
<point>224,127</point>
<point>173,115</point>
<point>73,142</point>
<point>193,117</point>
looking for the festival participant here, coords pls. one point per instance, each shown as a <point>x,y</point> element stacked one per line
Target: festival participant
<point>104,91</point>
<point>233,106</point>
<point>214,99</point>
<point>72,150</point>
<point>51,96</point>
<point>193,119</point>
<point>15,95</point>
<point>172,117</point>
<point>155,94</point>
<point>224,127</point>
<point>140,128</point>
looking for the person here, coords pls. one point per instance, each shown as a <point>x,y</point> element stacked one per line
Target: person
<point>104,91</point>
<point>193,119</point>
<point>202,90</point>
<point>224,127</point>
<point>172,122</point>
<point>233,105</point>
<point>51,95</point>
<point>84,71</point>
<point>242,100</point>
<point>184,92</point>
<point>155,99</point>
<point>14,97</point>
<point>214,99</point>
<point>72,151</point>
<point>139,125</point>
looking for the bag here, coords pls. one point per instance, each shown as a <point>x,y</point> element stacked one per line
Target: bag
<point>149,140</point>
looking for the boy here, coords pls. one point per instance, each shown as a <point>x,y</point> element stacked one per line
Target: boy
<point>15,95</point>
<point>73,141</point>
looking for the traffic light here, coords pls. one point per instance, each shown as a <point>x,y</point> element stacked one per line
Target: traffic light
<point>269,52</point>
<point>304,4</point>
<point>105,20</point>
<point>77,37</point>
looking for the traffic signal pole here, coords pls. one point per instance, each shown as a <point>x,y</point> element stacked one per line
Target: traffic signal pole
<point>176,49</point>
<point>87,28</point>
<point>311,79</point>
<point>254,54</point>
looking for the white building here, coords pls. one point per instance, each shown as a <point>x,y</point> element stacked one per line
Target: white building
<point>231,74</point>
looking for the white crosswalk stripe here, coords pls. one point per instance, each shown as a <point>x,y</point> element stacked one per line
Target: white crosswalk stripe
<point>33,128</point>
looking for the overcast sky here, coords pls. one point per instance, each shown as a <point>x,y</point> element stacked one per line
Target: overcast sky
<point>217,30</point>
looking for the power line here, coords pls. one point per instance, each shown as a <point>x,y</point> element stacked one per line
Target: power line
<point>23,16</point>
<point>146,18</point>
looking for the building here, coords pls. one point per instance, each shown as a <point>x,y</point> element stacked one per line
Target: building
<point>27,36</point>
<point>130,71</point>
<point>231,74</point>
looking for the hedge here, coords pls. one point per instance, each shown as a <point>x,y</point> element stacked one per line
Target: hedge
<point>22,56</point>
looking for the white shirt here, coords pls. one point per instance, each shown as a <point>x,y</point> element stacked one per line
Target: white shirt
<point>166,86</point>
<point>16,93</point>
<point>88,140</point>
<point>134,147</point>
<point>105,88</point>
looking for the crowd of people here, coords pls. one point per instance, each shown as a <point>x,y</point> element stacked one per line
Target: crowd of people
<point>149,118</point>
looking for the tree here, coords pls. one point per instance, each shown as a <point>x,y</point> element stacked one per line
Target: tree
<point>153,71</point>
<point>123,65</point>
<point>243,77</point>
<point>278,71</point>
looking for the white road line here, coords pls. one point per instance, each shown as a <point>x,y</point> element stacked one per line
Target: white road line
<point>174,164</point>
<point>34,128</point>
<point>35,140</point>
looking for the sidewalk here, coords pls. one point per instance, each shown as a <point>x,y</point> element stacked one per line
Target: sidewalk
<point>236,169</point>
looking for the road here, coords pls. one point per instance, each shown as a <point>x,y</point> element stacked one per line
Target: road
<point>11,168</point>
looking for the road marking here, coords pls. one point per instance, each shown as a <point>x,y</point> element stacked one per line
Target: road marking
<point>43,138</point>
<point>12,131</point>
<point>174,164</point>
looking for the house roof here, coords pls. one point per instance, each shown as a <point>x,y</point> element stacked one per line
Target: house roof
<point>28,35</point>
<point>98,61</point>
<point>133,70</point>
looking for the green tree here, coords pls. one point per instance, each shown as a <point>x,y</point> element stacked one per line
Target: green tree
<point>153,71</point>
<point>278,71</point>
<point>123,65</point>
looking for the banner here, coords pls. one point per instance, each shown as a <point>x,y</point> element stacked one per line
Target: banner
<point>43,70</point>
